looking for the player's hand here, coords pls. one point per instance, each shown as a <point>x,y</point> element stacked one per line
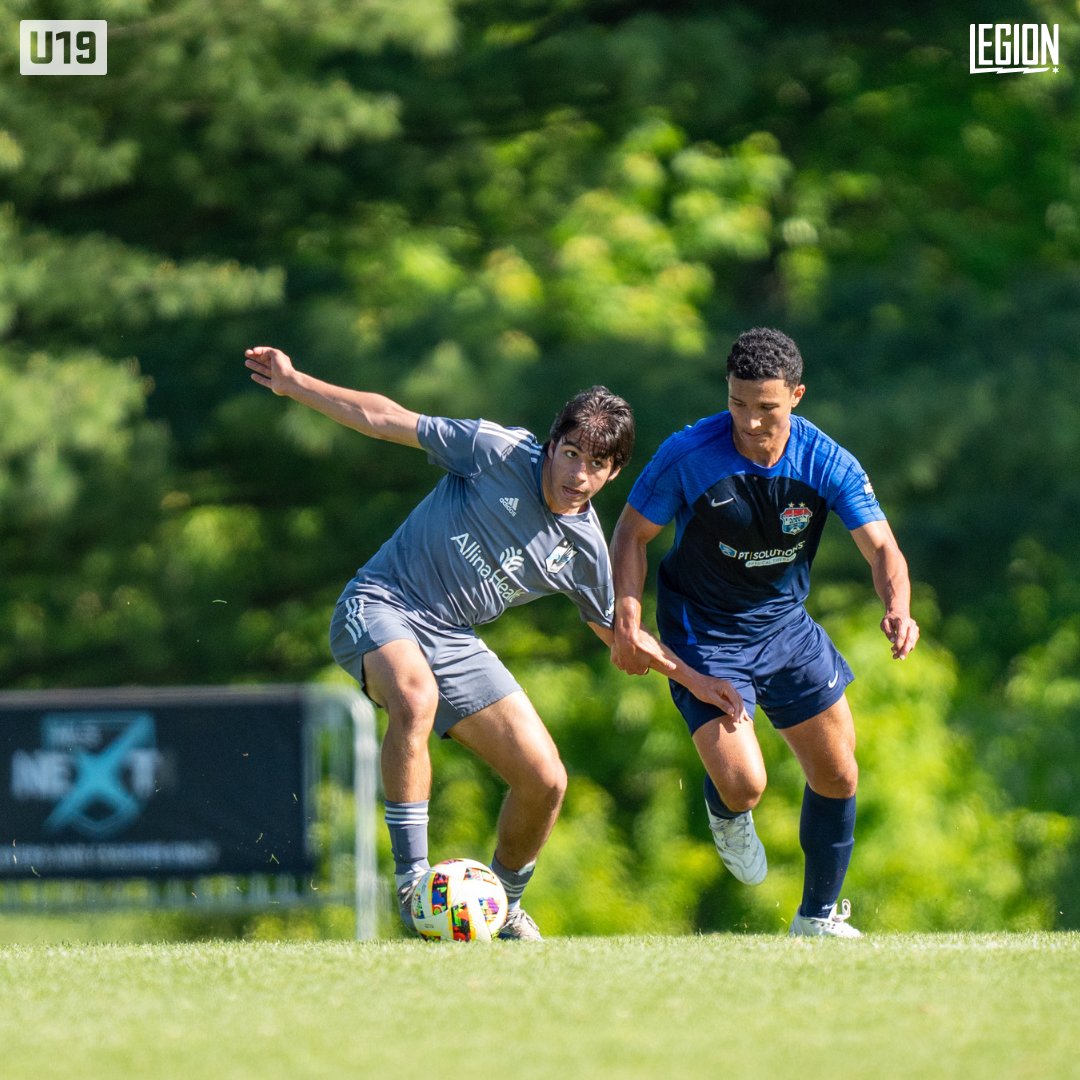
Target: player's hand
<point>722,694</point>
<point>650,648</point>
<point>638,654</point>
<point>902,631</point>
<point>626,655</point>
<point>270,367</point>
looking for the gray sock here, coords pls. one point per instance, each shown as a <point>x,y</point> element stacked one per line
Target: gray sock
<point>407,824</point>
<point>513,881</point>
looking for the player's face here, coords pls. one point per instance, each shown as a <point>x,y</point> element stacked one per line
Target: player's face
<point>572,476</point>
<point>761,416</point>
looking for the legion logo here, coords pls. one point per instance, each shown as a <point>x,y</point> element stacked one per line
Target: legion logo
<point>1013,48</point>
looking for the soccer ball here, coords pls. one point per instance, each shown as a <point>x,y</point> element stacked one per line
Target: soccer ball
<point>459,900</point>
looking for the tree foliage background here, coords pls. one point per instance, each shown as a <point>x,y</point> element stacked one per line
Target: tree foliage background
<point>479,207</point>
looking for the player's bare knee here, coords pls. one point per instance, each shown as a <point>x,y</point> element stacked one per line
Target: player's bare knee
<point>546,785</point>
<point>412,714</point>
<point>741,798</point>
<point>560,782</point>
<point>837,784</point>
<point>555,781</point>
<point>847,783</point>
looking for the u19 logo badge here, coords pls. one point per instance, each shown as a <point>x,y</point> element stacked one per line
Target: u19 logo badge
<point>63,47</point>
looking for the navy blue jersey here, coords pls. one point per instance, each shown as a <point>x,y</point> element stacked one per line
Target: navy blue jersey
<point>745,535</point>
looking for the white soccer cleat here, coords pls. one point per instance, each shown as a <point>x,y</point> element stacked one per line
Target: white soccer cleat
<point>835,924</point>
<point>739,848</point>
<point>519,926</point>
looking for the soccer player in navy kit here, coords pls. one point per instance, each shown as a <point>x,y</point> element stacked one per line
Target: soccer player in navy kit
<point>749,490</point>
<point>510,521</point>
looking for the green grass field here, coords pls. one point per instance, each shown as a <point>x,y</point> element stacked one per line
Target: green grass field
<point>894,1005</point>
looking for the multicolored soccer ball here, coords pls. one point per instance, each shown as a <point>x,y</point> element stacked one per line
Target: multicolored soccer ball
<point>459,900</point>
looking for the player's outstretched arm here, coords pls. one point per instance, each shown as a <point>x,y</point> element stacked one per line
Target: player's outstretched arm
<point>714,691</point>
<point>629,565</point>
<point>371,414</point>
<point>718,692</point>
<point>892,582</point>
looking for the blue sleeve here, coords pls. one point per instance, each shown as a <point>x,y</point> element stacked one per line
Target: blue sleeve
<point>658,493</point>
<point>852,497</point>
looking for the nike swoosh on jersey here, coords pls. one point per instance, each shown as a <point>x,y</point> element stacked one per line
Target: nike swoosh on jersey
<point>723,502</point>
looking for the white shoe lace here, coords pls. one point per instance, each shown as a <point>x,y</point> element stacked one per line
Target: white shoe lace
<point>738,833</point>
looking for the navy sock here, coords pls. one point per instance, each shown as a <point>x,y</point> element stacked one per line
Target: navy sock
<point>827,835</point>
<point>715,803</point>
<point>407,824</point>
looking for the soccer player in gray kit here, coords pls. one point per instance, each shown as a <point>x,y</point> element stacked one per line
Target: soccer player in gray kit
<point>510,521</point>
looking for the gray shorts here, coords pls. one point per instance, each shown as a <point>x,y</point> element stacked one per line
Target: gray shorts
<point>468,674</point>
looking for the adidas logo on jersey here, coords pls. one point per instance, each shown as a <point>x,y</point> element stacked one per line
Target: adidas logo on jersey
<point>510,506</point>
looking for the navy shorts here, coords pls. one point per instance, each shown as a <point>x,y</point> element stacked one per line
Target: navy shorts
<point>793,675</point>
<point>468,674</point>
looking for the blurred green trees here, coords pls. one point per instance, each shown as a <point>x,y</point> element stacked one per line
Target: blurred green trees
<point>480,208</point>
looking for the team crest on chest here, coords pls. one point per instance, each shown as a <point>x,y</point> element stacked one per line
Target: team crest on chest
<point>561,554</point>
<point>795,518</point>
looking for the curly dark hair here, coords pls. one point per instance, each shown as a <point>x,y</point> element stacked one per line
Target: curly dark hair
<point>762,353</point>
<point>605,423</point>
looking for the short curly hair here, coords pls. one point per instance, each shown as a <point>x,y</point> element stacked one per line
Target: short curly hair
<point>763,353</point>
<point>604,421</point>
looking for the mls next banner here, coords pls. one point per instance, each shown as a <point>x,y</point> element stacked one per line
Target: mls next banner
<point>151,789</point>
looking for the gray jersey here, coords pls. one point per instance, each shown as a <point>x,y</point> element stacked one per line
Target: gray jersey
<point>484,540</point>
